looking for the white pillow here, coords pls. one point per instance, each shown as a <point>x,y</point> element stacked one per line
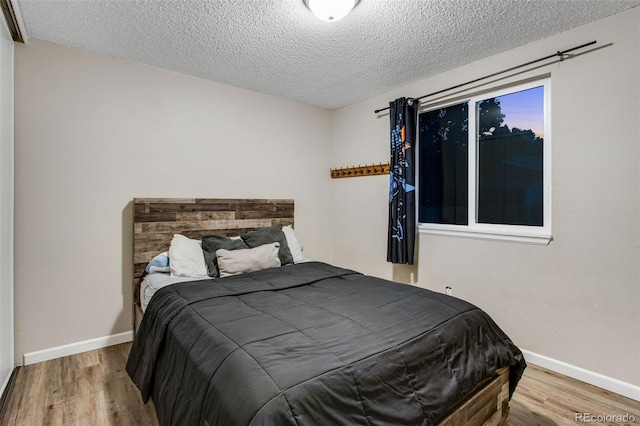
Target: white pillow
<point>186,257</point>
<point>294,245</point>
<point>233,262</point>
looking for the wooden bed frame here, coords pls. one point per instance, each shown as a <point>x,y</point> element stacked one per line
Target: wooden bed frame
<point>156,220</point>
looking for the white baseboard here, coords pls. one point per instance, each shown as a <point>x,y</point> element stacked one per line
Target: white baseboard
<point>600,380</point>
<point>76,348</point>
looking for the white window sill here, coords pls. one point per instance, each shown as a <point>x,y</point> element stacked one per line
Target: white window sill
<point>524,237</point>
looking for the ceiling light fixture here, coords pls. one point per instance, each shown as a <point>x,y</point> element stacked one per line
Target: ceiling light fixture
<point>331,10</point>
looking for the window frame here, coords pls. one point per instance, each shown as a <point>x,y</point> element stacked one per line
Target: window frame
<point>497,232</point>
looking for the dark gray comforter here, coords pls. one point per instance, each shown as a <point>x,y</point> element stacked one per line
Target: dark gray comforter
<point>312,344</point>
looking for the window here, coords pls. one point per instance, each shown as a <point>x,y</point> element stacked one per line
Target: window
<point>485,166</point>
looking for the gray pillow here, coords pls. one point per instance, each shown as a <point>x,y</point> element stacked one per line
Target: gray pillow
<point>248,260</point>
<point>272,234</point>
<point>212,243</point>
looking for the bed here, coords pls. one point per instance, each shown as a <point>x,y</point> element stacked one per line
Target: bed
<point>306,343</point>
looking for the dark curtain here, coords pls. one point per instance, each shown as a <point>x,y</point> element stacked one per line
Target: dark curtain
<point>402,187</point>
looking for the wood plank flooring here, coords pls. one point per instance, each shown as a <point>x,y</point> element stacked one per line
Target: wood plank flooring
<point>93,388</point>
<point>90,388</point>
<point>547,398</point>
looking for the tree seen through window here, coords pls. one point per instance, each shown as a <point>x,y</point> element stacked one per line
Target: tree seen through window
<point>509,180</point>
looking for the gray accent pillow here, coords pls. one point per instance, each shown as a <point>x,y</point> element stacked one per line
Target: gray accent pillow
<point>272,234</point>
<point>213,243</point>
<point>248,260</point>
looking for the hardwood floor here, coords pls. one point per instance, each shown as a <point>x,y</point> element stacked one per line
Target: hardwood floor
<point>547,398</point>
<point>93,388</point>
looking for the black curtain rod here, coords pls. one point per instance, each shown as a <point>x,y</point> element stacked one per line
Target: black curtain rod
<point>559,53</point>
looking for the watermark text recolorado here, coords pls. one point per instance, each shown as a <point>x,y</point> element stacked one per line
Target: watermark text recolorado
<point>604,418</point>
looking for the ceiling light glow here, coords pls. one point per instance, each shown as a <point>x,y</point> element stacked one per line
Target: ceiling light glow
<point>331,10</point>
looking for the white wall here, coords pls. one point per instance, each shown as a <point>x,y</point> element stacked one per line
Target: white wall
<point>6,206</point>
<point>94,132</point>
<point>576,300</point>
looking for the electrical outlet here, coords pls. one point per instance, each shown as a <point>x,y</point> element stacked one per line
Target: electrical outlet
<point>448,290</point>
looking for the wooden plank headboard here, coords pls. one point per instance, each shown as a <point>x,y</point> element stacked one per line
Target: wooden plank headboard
<point>157,219</point>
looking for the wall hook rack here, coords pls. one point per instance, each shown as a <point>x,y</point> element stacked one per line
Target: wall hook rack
<point>366,170</point>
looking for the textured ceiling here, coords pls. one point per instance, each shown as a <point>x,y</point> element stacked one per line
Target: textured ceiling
<point>278,47</point>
